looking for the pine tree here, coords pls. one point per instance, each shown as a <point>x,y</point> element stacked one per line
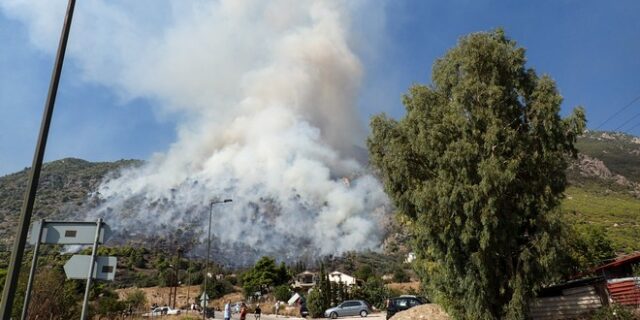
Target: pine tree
<point>477,165</point>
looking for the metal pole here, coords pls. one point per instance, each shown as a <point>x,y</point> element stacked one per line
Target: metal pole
<point>15,263</point>
<point>34,262</point>
<point>177,278</point>
<point>206,268</point>
<point>189,285</point>
<point>92,263</point>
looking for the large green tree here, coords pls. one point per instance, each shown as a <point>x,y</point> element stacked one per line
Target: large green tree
<point>478,164</point>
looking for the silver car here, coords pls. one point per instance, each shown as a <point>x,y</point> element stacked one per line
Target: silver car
<point>349,308</point>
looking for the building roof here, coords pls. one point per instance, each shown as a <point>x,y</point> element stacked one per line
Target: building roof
<point>632,258</point>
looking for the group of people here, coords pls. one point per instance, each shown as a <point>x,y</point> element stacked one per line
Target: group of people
<point>243,311</point>
<point>257,311</point>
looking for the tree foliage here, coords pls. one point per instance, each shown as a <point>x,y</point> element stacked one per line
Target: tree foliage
<point>264,275</point>
<point>587,246</point>
<point>477,165</point>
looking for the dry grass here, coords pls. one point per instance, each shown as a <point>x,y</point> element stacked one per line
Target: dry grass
<point>426,311</point>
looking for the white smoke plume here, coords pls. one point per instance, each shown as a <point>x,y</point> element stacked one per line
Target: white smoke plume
<point>266,94</point>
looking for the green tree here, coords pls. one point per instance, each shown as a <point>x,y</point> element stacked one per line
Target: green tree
<point>364,272</point>
<point>477,165</point>
<point>263,275</point>
<point>586,247</point>
<point>315,303</point>
<point>136,300</point>
<point>282,292</point>
<point>372,291</point>
<point>109,306</point>
<point>283,275</point>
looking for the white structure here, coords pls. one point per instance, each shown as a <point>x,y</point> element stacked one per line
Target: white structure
<point>410,257</point>
<point>338,277</point>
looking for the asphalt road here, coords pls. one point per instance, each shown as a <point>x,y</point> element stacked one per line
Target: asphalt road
<point>272,317</point>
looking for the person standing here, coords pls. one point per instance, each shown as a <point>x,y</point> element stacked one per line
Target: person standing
<point>277,308</point>
<point>243,312</point>
<point>227,310</point>
<point>257,312</point>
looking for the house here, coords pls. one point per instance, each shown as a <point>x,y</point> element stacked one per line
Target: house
<point>614,283</point>
<point>623,285</point>
<point>569,300</point>
<point>338,277</point>
<point>305,280</point>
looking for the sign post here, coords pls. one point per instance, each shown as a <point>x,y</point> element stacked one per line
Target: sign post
<point>32,271</point>
<point>72,232</point>
<point>77,266</point>
<point>92,262</point>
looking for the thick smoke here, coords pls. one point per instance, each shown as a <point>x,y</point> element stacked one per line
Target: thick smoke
<point>266,94</point>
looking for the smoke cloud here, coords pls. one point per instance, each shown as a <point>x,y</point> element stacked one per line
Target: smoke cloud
<point>266,95</point>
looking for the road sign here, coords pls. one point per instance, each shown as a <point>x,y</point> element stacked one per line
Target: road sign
<point>61,232</point>
<point>77,267</point>
<point>204,297</point>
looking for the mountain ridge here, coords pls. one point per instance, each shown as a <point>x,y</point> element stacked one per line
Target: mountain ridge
<point>607,170</point>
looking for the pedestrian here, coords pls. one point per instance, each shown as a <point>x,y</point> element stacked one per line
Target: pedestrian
<point>243,312</point>
<point>227,310</point>
<point>277,307</point>
<point>257,312</point>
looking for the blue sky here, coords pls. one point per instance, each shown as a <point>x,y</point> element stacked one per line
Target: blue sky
<point>590,48</point>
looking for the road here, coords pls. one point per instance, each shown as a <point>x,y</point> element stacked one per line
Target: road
<point>272,317</point>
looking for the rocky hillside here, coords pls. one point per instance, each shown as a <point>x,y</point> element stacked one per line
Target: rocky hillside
<point>605,190</point>
<point>63,189</point>
<point>605,186</point>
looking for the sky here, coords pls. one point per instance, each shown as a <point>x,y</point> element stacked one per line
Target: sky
<point>590,48</point>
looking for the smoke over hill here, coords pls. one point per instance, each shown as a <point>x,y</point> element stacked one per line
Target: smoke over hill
<point>266,93</point>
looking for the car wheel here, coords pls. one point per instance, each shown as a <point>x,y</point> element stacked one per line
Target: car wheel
<point>333,315</point>
<point>363,313</point>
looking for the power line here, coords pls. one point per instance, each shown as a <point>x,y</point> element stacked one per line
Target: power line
<point>626,122</point>
<point>618,112</point>
<point>635,126</point>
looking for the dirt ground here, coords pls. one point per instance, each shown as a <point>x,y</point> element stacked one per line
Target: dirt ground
<point>160,296</point>
<point>426,311</point>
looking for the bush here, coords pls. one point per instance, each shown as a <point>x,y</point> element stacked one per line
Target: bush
<point>282,292</point>
<point>218,288</point>
<point>373,292</point>
<point>315,304</point>
<point>399,275</point>
<point>136,299</point>
<point>614,312</point>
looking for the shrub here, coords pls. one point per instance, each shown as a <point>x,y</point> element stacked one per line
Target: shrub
<point>315,304</point>
<point>282,292</point>
<point>614,312</point>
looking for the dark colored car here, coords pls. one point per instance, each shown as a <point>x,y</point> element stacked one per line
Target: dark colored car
<point>304,312</point>
<point>402,303</point>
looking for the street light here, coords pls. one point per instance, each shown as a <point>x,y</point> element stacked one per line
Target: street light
<point>204,295</point>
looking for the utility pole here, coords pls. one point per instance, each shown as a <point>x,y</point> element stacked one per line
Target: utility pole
<point>27,206</point>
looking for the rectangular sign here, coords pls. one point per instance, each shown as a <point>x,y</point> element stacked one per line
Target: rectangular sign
<point>78,267</point>
<point>73,232</point>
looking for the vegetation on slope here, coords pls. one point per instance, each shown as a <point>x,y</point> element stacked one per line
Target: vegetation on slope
<point>618,213</point>
<point>63,189</point>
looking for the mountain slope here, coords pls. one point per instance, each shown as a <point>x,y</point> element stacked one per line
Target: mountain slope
<point>63,189</point>
<point>604,191</point>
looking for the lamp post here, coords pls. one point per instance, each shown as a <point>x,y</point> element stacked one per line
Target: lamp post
<point>206,269</point>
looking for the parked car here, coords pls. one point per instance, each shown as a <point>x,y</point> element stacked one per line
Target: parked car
<point>349,308</point>
<point>402,303</point>
<point>160,311</point>
<point>304,312</point>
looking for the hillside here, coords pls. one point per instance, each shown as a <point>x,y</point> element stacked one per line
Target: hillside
<point>605,187</point>
<point>605,190</point>
<point>63,189</point>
